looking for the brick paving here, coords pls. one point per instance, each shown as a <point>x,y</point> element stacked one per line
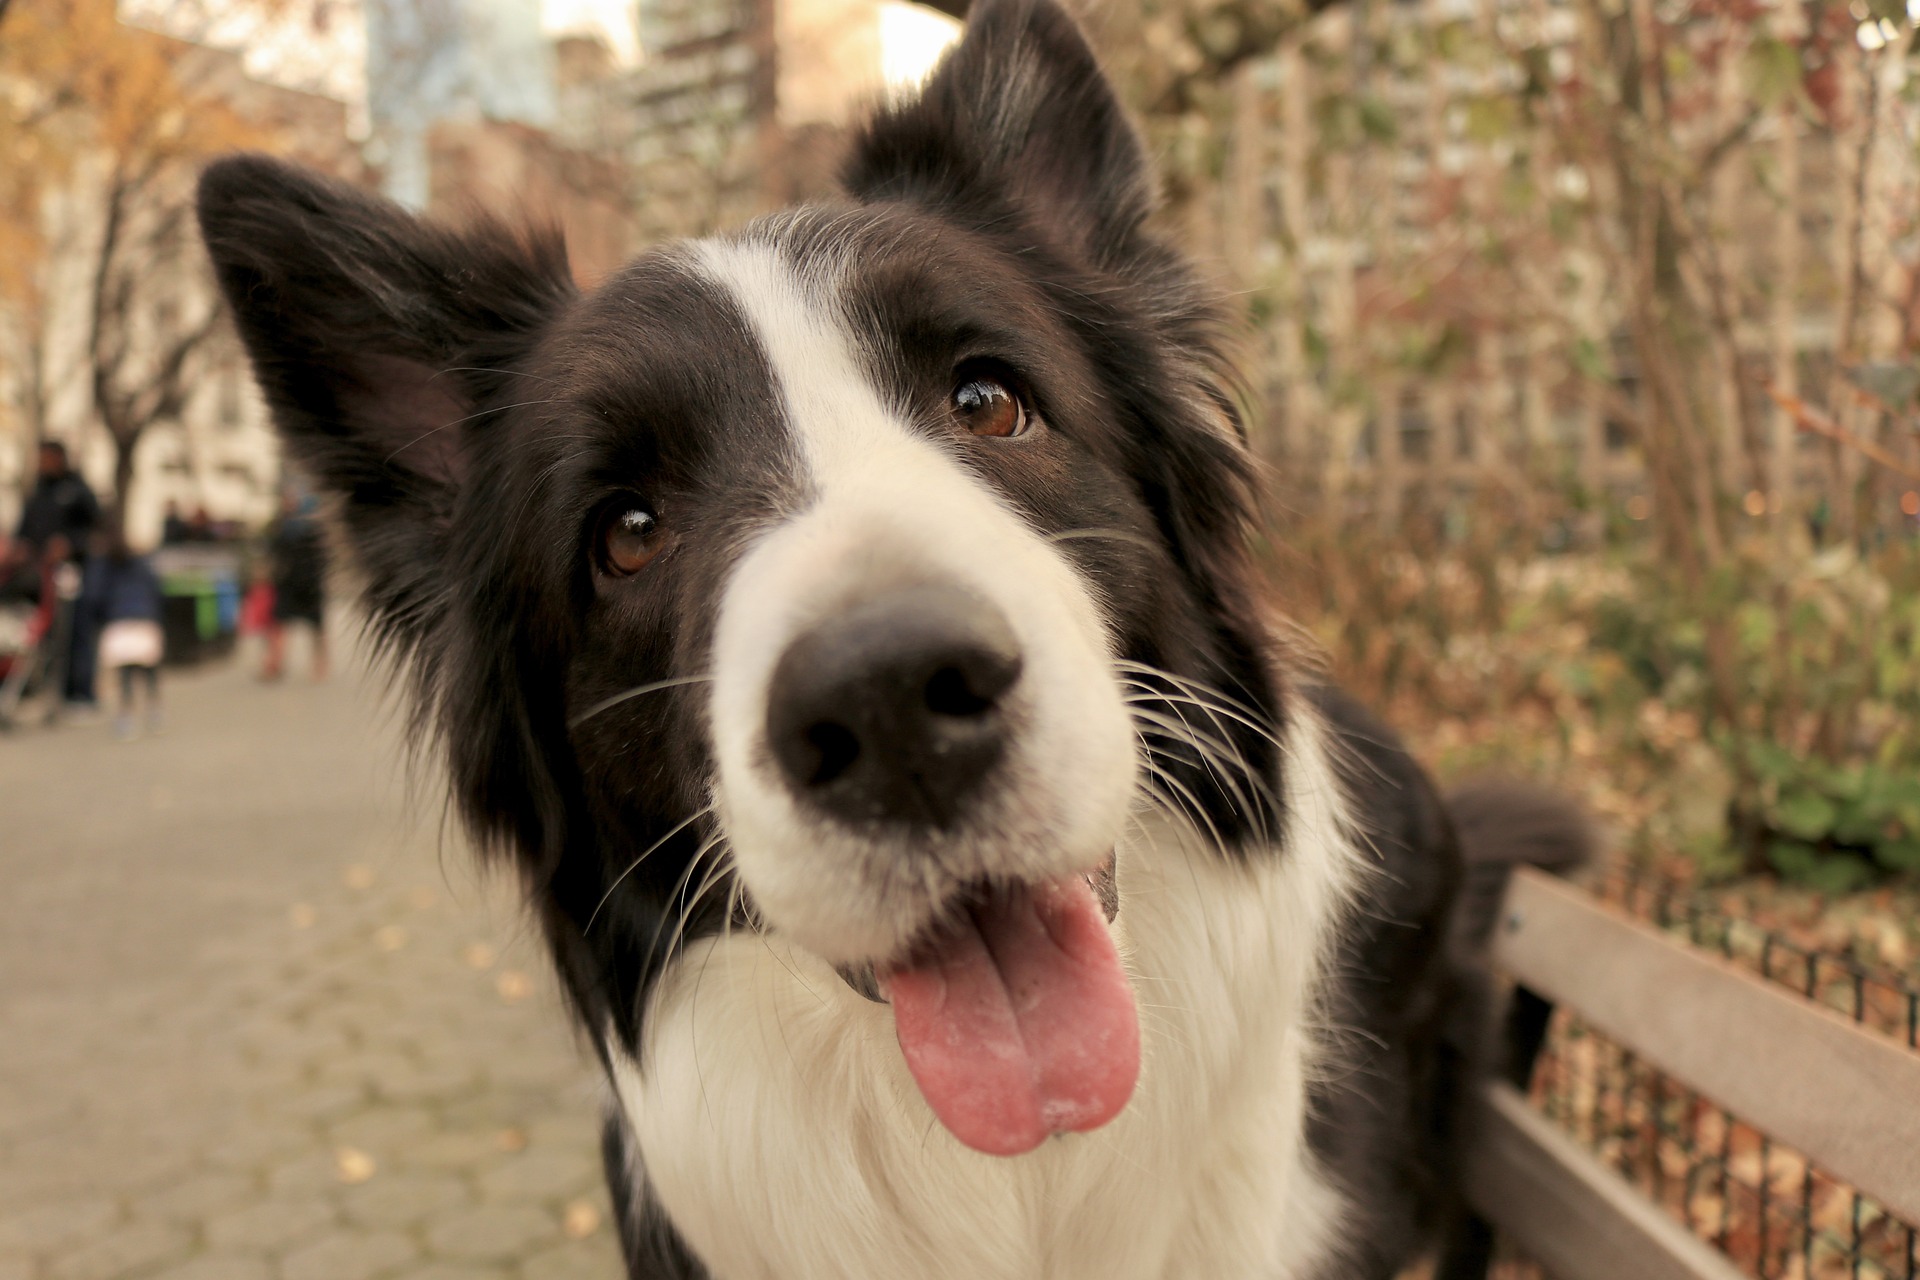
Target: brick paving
<point>256,1025</point>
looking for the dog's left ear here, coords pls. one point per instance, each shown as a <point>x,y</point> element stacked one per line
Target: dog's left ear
<point>1020,114</point>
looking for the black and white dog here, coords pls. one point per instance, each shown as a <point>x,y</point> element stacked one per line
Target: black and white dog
<point>845,626</point>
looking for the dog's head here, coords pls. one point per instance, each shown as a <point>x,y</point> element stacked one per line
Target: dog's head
<point>856,576</point>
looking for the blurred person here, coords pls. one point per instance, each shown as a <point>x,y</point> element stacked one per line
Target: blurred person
<point>256,606</point>
<point>200,527</point>
<point>174,529</point>
<point>297,555</point>
<point>55,525</point>
<point>55,585</point>
<point>121,599</point>
<point>173,525</point>
<point>61,505</point>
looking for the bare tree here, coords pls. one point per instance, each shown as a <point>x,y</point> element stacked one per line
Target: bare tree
<point>141,348</point>
<point>118,120</point>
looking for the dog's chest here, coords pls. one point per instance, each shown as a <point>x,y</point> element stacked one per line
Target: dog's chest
<point>785,1138</point>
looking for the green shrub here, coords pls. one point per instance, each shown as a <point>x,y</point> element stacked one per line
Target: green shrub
<point>1824,661</point>
<point>1768,722</point>
<point>1834,827</point>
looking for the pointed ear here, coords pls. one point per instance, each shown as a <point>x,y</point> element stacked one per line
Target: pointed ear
<point>1019,114</point>
<point>377,339</point>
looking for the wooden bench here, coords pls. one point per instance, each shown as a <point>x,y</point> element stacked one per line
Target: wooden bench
<point>1845,1097</point>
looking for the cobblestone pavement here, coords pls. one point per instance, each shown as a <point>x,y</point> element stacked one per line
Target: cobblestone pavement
<point>255,1025</point>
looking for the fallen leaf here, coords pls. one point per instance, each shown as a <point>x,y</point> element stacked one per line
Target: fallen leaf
<point>1893,945</point>
<point>580,1220</point>
<point>353,1165</point>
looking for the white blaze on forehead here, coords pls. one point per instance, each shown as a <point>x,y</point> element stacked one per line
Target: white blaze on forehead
<point>834,409</point>
<point>890,506</point>
<point>912,510</point>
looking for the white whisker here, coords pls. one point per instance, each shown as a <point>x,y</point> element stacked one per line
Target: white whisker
<point>684,823</point>
<point>635,692</point>
<point>1109,535</point>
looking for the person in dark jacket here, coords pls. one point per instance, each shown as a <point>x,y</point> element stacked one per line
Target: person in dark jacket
<point>121,599</point>
<point>58,521</point>
<point>61,505</point>
<point>174,528</point>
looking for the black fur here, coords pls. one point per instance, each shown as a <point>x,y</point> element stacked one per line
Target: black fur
<point>1505,824</point>
<point>474,415</point>
<point>1387,1122</point>
<point>1412,997</point>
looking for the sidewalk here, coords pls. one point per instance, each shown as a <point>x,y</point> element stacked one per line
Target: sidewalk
<point>254,1023</point>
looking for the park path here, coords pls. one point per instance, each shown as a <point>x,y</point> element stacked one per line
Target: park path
<point>259,1023</point>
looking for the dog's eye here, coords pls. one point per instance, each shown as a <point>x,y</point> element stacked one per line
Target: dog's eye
<point>986,406</point>
<point>630,537</point>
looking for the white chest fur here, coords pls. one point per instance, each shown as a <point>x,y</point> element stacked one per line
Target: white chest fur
<point>786,1140</point>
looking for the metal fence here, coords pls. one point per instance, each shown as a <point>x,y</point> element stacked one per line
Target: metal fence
<point>1771,1211</point>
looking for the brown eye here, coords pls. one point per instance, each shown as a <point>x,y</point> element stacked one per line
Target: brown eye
<point>630,538</point>
<point>987,407</point>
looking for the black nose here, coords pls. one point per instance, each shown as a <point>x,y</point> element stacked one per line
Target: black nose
<point>892,710</point>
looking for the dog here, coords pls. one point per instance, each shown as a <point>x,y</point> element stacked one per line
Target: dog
<point>846,627</point>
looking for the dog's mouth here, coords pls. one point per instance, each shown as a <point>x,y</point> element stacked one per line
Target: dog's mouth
<point>1015,1016</point>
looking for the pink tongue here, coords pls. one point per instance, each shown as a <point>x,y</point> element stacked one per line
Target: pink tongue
<point>1019,1022</point>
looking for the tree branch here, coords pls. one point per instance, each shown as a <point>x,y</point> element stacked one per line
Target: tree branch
<point>116,210</point>
<point>1728,142</point>
<point>1808,418</point>
<point>169,379</point>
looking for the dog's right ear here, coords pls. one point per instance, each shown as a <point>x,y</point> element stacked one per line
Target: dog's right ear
<point>1018,118</point>
<point>380,343</point>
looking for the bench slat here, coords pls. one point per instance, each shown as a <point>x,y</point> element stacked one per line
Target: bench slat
<point>1574,1216</point>
<point>1846,1098</point>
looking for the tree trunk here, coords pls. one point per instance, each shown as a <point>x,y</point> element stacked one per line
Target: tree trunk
<point>125,444</point>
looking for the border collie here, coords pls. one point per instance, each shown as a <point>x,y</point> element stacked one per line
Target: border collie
<point>846,627</point>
